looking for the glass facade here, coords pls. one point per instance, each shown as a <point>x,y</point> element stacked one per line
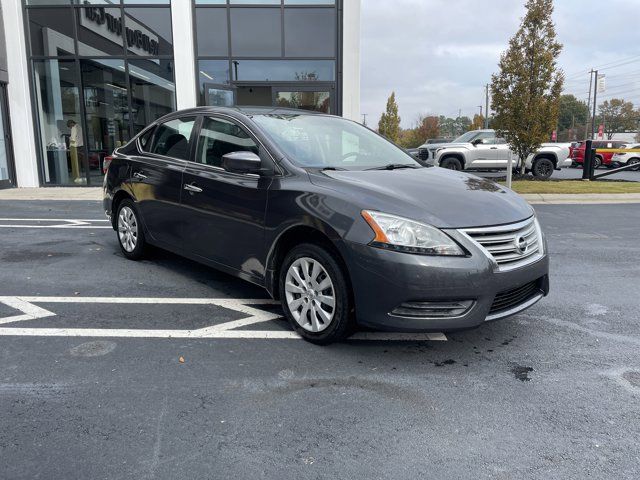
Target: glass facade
<point>101,70</point>
<point>276,53</point>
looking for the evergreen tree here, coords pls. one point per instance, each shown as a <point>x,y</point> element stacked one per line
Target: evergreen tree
<point>389,124</point>
<point>526,92</point>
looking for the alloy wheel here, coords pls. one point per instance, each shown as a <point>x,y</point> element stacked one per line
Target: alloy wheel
<point>636,162</point>
<point>310,294</point>
<point>127,229</point>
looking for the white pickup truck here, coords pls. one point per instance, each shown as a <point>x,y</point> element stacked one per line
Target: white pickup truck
<point>483,150</point>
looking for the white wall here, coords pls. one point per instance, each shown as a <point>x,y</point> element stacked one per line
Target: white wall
<point>351,60</point>
<point>22,125</point>
<point>183,53</point>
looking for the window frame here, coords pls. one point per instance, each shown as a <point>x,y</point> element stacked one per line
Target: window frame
<point>232,121</point>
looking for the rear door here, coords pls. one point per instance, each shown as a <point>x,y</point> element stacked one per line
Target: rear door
<point>501,151</point>
<point>225,211</point>
<point>156,179</point>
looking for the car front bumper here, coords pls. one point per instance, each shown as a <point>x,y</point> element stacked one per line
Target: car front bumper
<point>383,280</point>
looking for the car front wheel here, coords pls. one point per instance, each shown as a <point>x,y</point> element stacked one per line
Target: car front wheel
<point>315,295</point>
<point>543,168</point>
<point>130,231</point>
<point>636,162</point>
<point>451,163</point>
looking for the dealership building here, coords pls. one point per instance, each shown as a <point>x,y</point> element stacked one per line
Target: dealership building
<point>79,78</point>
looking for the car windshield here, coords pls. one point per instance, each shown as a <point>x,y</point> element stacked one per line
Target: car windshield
<point>319,141</point>
<point>467,137</point>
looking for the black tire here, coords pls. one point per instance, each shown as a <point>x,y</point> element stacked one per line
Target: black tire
<point>125,207</point>
<point>543,168</point>
<point>597,162</point>
<point>342,324</point>
<point>634,161</point>
<point>451,163</point>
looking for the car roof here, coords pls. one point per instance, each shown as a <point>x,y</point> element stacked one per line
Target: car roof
<point>241,111</point>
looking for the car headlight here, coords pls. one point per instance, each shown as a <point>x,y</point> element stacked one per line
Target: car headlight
<point>401,234</point>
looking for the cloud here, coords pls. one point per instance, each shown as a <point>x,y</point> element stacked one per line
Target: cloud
<point>437,55</point>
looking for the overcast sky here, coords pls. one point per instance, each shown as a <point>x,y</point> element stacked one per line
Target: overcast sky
<point>438,54</point>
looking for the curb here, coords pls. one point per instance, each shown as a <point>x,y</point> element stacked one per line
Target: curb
<point>94,194</point>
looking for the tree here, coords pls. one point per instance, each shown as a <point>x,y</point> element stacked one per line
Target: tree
<point>389,124</point>
<point>478,122</point>
<point>428,127</point>
<point>617,116</point>
<point>571,112</point>
<point>526,92</point>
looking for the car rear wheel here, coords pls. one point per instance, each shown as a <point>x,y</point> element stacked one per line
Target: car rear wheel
<point>451,163</point>
<point>597,162</point>
<point>315,295</point>
<point>636,162</point>
<point>543,168</point>
<point>130,231</point>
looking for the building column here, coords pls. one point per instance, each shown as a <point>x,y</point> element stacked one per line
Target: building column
<point>351,60</point>
<point>183,53</point>
<point>20,109</point>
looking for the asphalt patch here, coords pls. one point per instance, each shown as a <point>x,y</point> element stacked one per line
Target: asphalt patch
<point>97,348</point>
<point>522,373</point>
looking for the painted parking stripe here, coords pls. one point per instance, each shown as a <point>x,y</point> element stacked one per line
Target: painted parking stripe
<point>63,223</point>
<point>30,311</point>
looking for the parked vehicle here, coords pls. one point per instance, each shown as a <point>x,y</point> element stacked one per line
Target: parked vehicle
<point>601,158</point>
<point>341,225</point>
<point>482,150</point>
<point>627,158</point>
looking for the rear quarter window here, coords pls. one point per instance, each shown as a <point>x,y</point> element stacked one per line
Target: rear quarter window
<point>145,139</point>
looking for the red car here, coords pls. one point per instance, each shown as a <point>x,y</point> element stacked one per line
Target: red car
<point>602,158</point>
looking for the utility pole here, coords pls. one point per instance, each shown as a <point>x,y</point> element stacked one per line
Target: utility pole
<point>486,110</point>
<point>586,124</point>
<point>481,117</point>
<point>595,96</point>
<point>364,119</point>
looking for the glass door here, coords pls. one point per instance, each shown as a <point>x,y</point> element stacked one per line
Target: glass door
<point>305,97</point>
<point>217,95</point>
<point>6,160</point>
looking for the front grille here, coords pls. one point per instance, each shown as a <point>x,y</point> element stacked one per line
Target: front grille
<point>516,296</point>
<point>510,246</point>
<point>423,154</point>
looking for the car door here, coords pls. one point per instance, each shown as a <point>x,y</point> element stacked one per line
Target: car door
<point>501,152</point>
<point>484,155</point>
<point>225,211</point>
<point>156,179</point>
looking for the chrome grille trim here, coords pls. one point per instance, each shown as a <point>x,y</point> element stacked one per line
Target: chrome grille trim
<point>499,243</point>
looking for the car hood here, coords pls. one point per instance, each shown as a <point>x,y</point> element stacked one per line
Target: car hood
<point>436,146</point>
<point>437,196</point>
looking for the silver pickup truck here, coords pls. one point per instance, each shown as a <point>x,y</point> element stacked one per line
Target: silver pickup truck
<point>483,150</point>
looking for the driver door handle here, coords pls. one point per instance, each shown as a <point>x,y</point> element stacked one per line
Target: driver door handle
<point>139,175</point>
<point>192,188</point>
<point>494,148</point>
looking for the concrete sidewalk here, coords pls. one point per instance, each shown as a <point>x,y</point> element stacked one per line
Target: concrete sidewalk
<point>95,194</point>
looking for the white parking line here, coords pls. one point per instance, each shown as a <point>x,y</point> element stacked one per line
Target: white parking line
<point>68,223</point>
<point>222,330</point>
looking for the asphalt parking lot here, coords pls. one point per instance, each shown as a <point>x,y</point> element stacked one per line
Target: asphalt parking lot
<point>112,369</point>
<point>574,173</point>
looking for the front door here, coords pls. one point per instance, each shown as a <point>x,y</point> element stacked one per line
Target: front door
<point>156,179</point>
<point>224,211</point>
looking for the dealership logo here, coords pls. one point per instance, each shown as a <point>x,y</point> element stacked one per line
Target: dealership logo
<point>136,38</point>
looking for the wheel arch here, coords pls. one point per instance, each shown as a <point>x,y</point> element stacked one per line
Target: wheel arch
<point>456,155</point>
<point>295,235</point>
<point>118,197</point>
<point>548,155</point>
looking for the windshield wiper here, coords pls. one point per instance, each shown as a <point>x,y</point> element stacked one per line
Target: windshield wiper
<point>395,166</point>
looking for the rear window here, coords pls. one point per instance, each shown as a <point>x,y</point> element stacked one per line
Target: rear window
<point>145,139</point>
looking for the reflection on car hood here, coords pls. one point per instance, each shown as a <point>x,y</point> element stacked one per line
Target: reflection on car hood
<point>437,196</point>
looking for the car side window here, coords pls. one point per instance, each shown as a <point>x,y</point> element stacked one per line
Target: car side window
<point>145,139</point>
<point>219,137</point>
<point>171,138</point>
<point>501,141</point>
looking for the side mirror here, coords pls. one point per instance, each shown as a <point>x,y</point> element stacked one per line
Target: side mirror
<point>241,162</point>
<point>477,141</point>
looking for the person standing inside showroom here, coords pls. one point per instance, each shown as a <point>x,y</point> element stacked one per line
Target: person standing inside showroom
<point>75,146</point>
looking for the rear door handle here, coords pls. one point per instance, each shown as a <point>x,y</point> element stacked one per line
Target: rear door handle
<point>139,175</point>
<point>192,188</point>
<point>494,148</point>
